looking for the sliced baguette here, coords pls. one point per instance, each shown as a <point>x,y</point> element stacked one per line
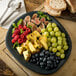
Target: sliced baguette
<point>58,5</point>
<point>72,5</point>
<point>51,11</point>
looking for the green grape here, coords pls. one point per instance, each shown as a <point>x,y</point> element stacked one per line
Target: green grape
<point>49,44</point>
<point>52,33</point>
<point>46,34</point>
<point>53,39</point>
<point>43,30</point>
<point>59,42</point>
<point>57,53</point>
<point>57,34</point>
<point>54,25</point>
<point>65,47</point>
<point>64,43</point>
<point>59,47</point>
<point>62,56</point>
<point>56,29</point>
<point>54,50</point>
<point>64,39</point>
<point>63,34</point>
<point>54,44</point>
<point>49,25</point>
<point>50,48</point>
<point>60,38</point>
<point>62,51</point>
<point>49,29</point>
<point>49,39</point>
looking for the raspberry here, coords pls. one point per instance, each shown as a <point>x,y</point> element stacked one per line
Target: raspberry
<point>24,27</point>
<point>13,35</point>
<point>25,33</point>
<point>13,40</point>
<point>24,40</point>
<point>16,37</point>
<point>20,27</point>
<point>22,36</point>
<point>28,30</point>
<point>16,32</point>
<point>20,40</point>
<point>16,28</point>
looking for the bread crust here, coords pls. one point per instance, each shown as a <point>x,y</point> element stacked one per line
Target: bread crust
<point>49,11</point>
<point>60,9</point>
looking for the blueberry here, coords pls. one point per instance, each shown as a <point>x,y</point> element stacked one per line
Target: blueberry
<point>41,64</point>
<point>51,57</point>
<point>55,65</point>
<point>57,61</point>
<point>38,63</point>
<point>33,56</point>
<point>58,58</point>
<point>47,68</point>
<point>43,51</point>
<point>34,61</point>
<point>46,52</point>
<point>48,58</point>
<point>51,66</point>
<point>37,59</point>
<point>52,53</point>
<point>31,61</point>
<point>36,55</point>
<point>44,60</point>
<point>54,60</point>
<point>41,54</point>
<point>49,62</point>
<point>41,59</point>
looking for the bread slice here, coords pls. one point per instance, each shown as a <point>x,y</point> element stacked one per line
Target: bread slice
<point>51,11</point>
<point>72,5</point>
<point>58,5</point>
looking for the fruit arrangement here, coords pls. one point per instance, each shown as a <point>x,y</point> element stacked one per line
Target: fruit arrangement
<point>39,40</point>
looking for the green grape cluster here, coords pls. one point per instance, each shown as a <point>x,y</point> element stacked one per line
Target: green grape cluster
<point>56,39</point>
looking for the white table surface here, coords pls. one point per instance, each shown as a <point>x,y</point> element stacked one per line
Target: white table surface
<point>3,5</point>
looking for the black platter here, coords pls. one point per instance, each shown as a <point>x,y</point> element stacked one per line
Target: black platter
<point>20,58</point>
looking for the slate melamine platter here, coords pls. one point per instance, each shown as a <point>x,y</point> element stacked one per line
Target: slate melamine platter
<point>31,66</point>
